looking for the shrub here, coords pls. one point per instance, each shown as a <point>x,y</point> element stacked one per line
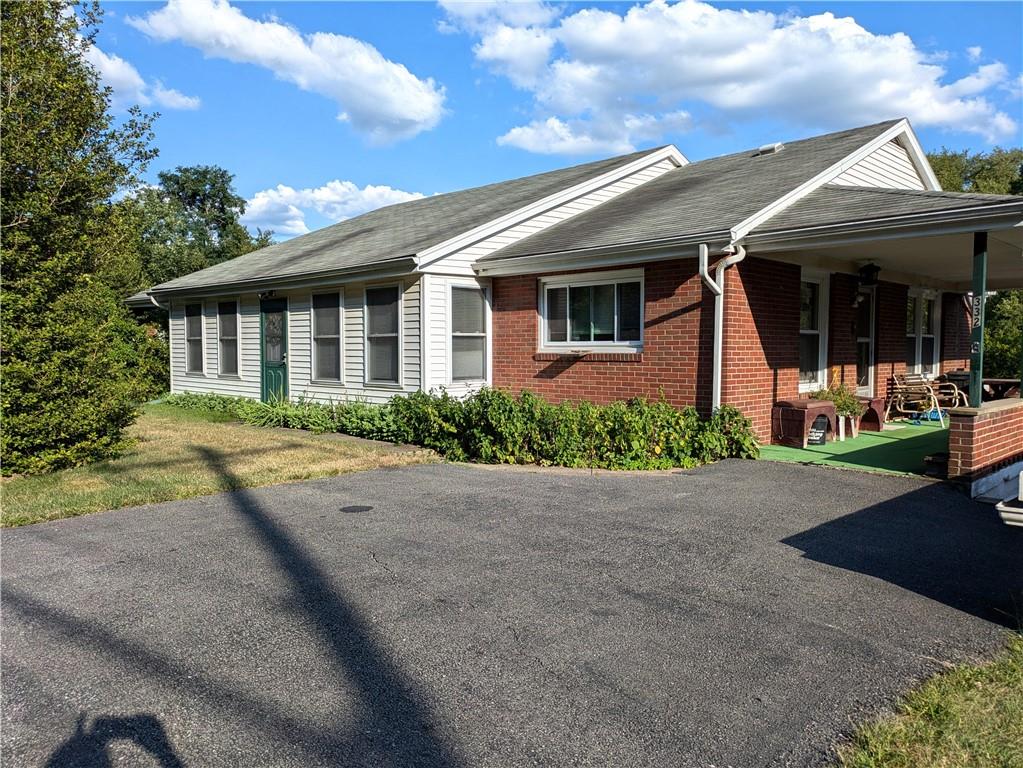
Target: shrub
<point>845,400</point>
<point>494,427</point>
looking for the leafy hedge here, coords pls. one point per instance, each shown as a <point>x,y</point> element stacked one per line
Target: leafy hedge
<point>493,427</point>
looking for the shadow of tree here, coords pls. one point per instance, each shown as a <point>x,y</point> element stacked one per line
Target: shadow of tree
<point>397,727</point>
<point>88,746</point>
<point>957,554</point>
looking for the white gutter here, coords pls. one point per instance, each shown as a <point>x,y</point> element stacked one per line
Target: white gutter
<point>736,253</point>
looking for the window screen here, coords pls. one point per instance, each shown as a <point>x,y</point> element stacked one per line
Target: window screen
<point>809,333</point>
<point>227,329</point>
<point>193,338</point>
<point>327,336</point>
<point>468,334</point>
<point>382,334</point>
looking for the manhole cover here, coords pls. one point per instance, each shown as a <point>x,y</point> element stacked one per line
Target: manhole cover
<point>354,509</point>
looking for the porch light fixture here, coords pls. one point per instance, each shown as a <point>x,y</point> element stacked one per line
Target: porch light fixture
<point>868,275</point>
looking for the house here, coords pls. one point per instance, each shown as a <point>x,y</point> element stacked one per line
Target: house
<point>741,279</point>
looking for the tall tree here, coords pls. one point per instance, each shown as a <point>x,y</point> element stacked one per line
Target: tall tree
<point>191,220</point>
<point>69,349</point>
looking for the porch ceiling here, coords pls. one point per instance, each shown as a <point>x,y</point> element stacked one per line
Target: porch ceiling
<point>941,261</point>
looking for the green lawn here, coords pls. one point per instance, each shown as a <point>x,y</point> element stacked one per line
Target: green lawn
<point>900,451</point>
<point>969,717</point>
<point>178,454</point>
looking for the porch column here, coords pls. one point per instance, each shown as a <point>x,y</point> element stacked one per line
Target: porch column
<point>977,319</point>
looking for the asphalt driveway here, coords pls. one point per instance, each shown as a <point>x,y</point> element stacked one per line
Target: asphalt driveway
<point>742,614</point>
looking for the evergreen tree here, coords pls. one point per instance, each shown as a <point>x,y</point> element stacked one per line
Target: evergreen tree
<point>69,349</point>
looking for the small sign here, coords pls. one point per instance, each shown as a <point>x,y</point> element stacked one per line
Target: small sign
<point>818,431</point>
<point>978,309</point>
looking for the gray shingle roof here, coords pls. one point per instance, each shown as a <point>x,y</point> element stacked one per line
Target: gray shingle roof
<point>709,196</point>
<point>836,204</point>
<point>395,231</point>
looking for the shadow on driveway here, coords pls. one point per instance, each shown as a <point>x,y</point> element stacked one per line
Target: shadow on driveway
<point>960,555</point>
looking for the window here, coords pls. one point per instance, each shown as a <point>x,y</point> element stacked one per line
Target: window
<point>382,334</point>
<point>227,335</point>
<point>809,333</point>
<point>812,327</point>
<point>327,337</point>
<point>597,312</point>
<point>921,333</point>
<point>468,334</point>
<point>193,338</point>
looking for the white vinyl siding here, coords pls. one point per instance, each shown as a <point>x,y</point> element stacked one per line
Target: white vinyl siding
<point>460,262</point>
<point>889,166</point>
<point>437,339</point>
<point>246,382</point>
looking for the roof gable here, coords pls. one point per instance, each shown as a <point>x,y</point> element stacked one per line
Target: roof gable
<point>718,198</point>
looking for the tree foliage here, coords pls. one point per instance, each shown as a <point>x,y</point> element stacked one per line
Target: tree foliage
<point>70,350</point>
<point>190,221</point>
<point>998,172</point>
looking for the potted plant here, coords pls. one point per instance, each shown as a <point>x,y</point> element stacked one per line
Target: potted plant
<point>847,407</point>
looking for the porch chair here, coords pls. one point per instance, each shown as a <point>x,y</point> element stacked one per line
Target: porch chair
<point>911,395</point>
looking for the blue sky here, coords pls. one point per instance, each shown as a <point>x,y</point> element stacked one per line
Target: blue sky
<point>441,97</point>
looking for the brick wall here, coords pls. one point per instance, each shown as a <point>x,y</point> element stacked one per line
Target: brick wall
<point>890,341</point>
<point>761,348</point>
<point>982,439</point>
<point>676,356</point>
<point>955,332</point>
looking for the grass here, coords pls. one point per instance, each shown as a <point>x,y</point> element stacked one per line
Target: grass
<point>179,454</point>
<point>897,451</point>
<point>969,717</point>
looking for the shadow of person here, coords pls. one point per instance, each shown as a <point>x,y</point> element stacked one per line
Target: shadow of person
<point>88,745</point>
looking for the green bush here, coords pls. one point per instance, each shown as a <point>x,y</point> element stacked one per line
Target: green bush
<point>71,382</point>
<point>845,400</point>
<point>494,427</point>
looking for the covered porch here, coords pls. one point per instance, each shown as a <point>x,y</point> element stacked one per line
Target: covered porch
<point>907,275</point>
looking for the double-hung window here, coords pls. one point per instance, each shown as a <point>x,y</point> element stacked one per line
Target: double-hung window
<point>227,337</point>
<point>812,333</point>
<point>921,334</point>
<point>327,336</point>
<point>468,334</point>
<point>600,311</point>
<point>193,338</point>
<point>383,307</point>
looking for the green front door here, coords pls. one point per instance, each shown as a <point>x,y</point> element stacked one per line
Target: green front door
<point>273,328</point>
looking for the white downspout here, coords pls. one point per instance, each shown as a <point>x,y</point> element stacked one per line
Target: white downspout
<point>152,298</point>
<point>736,253</point>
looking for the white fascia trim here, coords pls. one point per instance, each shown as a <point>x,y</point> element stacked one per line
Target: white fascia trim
<point>439,251</point>
<point>901,128</point>
<point>914,225</point>
<point>916,153</point>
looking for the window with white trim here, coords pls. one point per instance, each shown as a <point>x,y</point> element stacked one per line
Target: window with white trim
<point>227,337</point>
<point>193,338</point>
<point>327,336</point>
<point>812,333</point>
<point>468,334</point>
<point>602,311</point>
<point>383,321</point>
<point>922,317</point>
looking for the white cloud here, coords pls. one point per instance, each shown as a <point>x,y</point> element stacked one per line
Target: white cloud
<point>974,52</point>
<point>380,98</point>
<point>659,59</point>
<point>129,87</point>
<point>283,209</point>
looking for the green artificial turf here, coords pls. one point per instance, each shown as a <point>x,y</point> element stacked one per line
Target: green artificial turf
<point>899,450</point>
